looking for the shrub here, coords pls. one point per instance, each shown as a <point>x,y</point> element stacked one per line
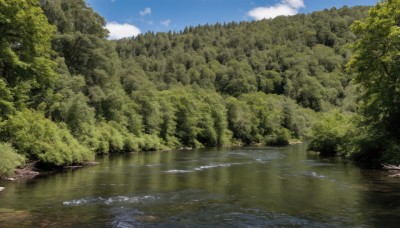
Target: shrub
<point>150,143</point>
<point>280,137</point>
<point>40,138</point>
<point>9,159</point>
<point>330,134</point>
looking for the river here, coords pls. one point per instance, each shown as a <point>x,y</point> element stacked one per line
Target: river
<point>228,187</point>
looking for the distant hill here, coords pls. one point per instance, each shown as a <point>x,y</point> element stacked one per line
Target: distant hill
<point>302,57</point>
<point>68,93</point>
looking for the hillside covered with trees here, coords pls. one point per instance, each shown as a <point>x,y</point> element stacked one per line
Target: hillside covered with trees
<point>371,134</point>
<point>67,93</point>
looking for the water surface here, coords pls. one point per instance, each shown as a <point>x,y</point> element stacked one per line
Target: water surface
<point>230,187</point>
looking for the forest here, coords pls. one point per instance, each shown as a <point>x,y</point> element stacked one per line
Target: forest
<point>67,93</point>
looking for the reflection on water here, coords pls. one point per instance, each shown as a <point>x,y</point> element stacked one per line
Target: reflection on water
<point>237,187</point>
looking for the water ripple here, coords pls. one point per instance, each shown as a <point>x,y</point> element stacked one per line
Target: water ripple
<point>201,168</point>
<point>109,201</point>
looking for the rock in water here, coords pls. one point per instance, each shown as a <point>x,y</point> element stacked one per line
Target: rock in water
<point>2,188</point>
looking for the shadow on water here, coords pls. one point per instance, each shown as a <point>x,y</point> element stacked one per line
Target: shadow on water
<point>239,187</point>
<point>380,196</point>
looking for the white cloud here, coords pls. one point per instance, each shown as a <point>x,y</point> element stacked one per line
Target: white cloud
<point>297,4</point>
<point>166,23</point>
<point>118,31</point>
<point>145,12</point>
<point>284,7</point>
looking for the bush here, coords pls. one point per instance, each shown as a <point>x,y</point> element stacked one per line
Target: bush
<point>110,137</point>
<point>130,144</point>
<point>330,134</point>
<point>372,146</point>
<point>280,137</point>
<point>391,154</point>
<point>40,138</point>
<point>150,143</point>
<point>9,159</point>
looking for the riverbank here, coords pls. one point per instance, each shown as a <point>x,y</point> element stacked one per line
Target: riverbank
<point>32,170</point>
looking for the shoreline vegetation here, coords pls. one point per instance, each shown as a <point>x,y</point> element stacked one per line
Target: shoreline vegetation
<point>68,94</point>
<point>32,170</point>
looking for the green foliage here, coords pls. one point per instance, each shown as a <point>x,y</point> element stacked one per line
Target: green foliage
<point>366,143</point>
<point>74,16</point>
<point>304,61</point>
<point>39,138</point>
<point>331,133</point>
<point>391,154</point>
<point>9,159</point>
<point>194,118</point>
<point>26,37</point>
<point>25,49</point>
<point>373,135</point>
<point>376,67</point>
<point>6,100</point>
<point>150,143</point>
<point>237,83</point>
<point>239,119</point>
<point>280,137</point>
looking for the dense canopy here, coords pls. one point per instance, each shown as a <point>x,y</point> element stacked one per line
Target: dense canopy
<point>68,93</point>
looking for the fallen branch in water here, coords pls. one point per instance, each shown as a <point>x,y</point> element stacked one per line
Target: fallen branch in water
<point>395,175</point>
<point>27,171</point>
<point>391,167</point>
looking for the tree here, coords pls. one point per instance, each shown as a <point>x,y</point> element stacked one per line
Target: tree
<point>239,119</point>
<point>25,48</point>
<point>376,66</point>
<point>6,104</point>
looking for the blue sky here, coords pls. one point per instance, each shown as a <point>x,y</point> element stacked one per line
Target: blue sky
<point>131,17</point>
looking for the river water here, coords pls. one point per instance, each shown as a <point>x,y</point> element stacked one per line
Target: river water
<point>229,187</point>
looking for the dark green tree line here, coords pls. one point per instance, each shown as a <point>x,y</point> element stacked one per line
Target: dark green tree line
<point>67,93</point>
